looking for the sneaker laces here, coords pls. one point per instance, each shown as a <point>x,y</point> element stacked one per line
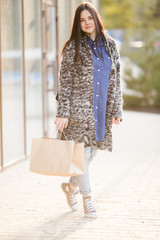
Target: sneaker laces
<point>72,196</point>
<point>88,205</point>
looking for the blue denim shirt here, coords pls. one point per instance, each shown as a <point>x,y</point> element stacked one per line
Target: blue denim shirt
<point>101,74</point>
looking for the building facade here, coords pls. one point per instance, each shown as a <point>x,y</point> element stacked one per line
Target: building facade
<point>32,32</point>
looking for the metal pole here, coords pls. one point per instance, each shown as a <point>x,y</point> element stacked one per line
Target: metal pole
<point>43,52</point>
<point>24,82</point>
<point>57,45</point>
<point>1,125</point>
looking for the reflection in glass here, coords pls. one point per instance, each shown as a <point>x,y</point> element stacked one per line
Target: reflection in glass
<point>33,77</point>
<point>51,69</point>
<point>12,81</point>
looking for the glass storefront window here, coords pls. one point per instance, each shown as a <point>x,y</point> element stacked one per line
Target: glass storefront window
<point>49,62</point>
<point>51,68</point>
<point>12,79</point>
<point>33,75</point>
<point>64,21</point>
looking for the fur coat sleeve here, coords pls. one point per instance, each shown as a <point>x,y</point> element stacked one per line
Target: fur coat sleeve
<point>117,106</point>
<point>65,82</point>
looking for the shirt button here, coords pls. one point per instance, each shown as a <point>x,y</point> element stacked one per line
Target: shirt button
<point>97,58</point>
<point>95,48</point>
<point>98,70</point>
<point>97,95</point>
<point>108,57</point>
<point>95,120</point>
<point>97,82</point>
<point>96,107</point>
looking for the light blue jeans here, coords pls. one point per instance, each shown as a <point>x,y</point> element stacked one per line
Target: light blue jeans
<point>82,181</point>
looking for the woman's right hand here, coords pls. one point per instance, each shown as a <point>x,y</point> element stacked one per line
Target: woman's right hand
<point>61,123</point>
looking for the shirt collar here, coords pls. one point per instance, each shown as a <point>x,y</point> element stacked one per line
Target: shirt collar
<point>90,41</point>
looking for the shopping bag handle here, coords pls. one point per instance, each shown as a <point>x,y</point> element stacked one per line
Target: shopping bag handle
<point>45,137</point>
<point>63,134</point>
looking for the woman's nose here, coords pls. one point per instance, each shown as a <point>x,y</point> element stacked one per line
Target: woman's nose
<point>87,21</point>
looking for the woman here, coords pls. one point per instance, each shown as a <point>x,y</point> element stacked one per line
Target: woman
<point>89,97</point>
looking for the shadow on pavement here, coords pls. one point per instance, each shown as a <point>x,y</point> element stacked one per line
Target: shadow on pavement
<point>64,225</point>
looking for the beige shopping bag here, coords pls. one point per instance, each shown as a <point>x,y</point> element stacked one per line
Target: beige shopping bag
<point>57,157</point>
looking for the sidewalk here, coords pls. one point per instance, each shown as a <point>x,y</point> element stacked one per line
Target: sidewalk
<point>125,184</point>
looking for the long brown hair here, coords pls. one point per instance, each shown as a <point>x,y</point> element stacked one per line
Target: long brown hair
<point>77,33</point>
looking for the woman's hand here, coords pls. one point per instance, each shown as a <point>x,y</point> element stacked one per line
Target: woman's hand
<point>116,121</point>
<point>61,123</point>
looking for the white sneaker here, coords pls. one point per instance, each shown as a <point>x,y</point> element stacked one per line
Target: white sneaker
<point>89,208</point>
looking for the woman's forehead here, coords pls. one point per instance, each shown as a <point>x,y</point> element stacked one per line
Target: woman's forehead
<point>85,13</point>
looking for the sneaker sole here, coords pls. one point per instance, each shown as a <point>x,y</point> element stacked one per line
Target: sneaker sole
<point>91,215</point>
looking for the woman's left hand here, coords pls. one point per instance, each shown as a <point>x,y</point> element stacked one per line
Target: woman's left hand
<point>61,123</point>
<point>116,121</point>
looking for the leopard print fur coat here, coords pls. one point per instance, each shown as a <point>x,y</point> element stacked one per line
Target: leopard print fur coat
<point>76,94</point>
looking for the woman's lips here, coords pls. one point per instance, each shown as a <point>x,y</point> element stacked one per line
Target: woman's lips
<point>88,27</point>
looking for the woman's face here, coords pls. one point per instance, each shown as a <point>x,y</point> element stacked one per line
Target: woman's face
<point>87,23</point>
